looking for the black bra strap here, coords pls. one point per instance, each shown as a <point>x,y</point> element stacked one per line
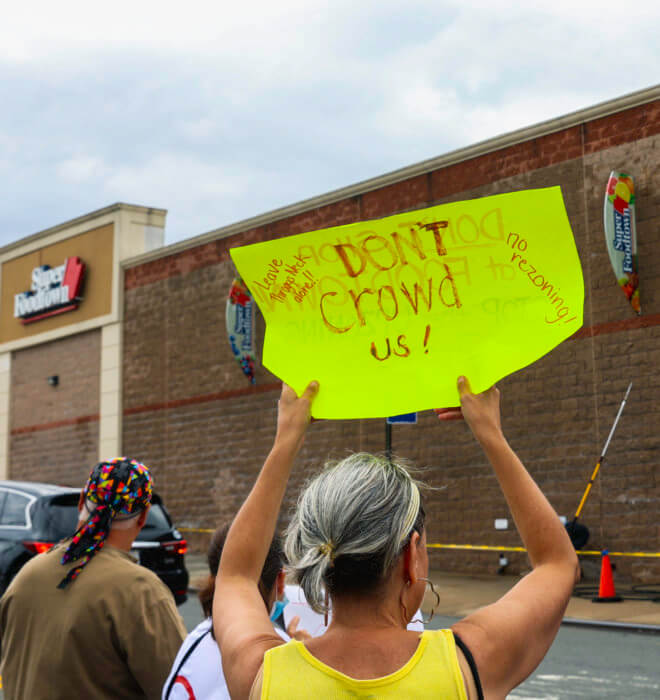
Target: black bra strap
<point>473,666</point>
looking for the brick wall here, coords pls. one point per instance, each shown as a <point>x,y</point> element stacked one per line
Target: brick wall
<point>54,430</point>
<point>191,415</point>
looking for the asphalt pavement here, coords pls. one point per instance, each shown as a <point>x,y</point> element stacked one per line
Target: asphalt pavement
<point>588,662</point>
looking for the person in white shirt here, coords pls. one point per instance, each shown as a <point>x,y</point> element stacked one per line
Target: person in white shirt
<point>197,670</point>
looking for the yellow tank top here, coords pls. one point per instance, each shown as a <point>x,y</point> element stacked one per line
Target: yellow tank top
<point>290,672</point>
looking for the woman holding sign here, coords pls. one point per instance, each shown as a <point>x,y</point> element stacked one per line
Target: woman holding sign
<point>359,534</point>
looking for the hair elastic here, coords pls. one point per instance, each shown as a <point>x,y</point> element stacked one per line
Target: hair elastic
<point>327,549</point>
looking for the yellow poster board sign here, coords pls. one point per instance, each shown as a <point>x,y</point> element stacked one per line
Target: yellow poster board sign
<point>386,314</point>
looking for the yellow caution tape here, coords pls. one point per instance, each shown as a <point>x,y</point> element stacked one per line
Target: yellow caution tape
<point>489,548</point>
<point>621,554</point>
<point>484,547</point>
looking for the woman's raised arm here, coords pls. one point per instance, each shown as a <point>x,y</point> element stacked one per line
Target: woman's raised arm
<point>241,623</point>
<point>509,638</point>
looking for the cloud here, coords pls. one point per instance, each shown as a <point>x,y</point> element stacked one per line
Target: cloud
<point>79,169</point>
<point>220,111</point>
<point>168,175</point>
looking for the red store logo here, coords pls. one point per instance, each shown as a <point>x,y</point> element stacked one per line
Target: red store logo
<point>54,290</point>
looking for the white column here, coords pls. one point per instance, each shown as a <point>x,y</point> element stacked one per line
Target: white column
<point>110,422</point>
<point>5,385</point>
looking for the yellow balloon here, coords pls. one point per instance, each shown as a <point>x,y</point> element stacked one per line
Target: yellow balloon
<point>622,190</point>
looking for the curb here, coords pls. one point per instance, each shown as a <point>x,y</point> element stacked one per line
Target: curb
<point>612,625</point>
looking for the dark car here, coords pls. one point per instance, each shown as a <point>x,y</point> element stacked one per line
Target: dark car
<point>34,517</point>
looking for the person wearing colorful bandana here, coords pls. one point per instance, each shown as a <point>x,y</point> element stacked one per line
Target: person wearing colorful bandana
<point>84,619</point>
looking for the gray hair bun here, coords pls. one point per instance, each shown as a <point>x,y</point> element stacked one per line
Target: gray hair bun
<point>350,526</point>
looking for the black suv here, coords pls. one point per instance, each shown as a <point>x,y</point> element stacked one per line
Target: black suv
<point>34,517</point>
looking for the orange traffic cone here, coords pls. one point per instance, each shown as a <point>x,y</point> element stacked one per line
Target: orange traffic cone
<point>606,592</point>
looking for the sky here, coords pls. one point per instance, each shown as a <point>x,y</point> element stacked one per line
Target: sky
<point>220,111</point>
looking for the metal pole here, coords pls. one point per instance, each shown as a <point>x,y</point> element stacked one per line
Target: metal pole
<point>601,458</point>
<point>388,441</point>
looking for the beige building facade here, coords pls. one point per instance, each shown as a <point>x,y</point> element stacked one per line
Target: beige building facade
<point>60,358</point>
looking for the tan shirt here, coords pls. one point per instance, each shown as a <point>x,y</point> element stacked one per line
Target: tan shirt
<point>111,633</point>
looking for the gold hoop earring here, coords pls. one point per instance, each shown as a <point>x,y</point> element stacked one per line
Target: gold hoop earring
<point>433,608</point>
